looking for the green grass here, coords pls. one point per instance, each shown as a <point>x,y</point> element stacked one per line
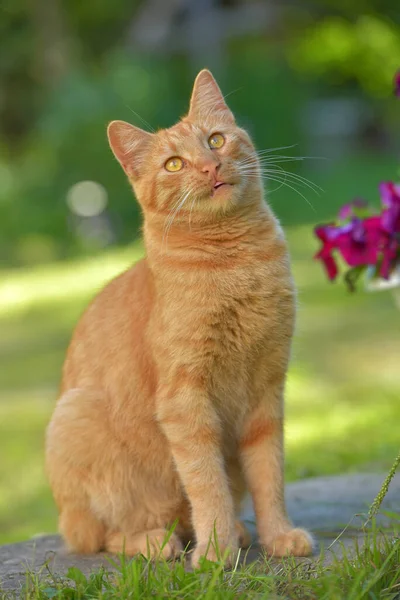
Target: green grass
<point>370,571</point>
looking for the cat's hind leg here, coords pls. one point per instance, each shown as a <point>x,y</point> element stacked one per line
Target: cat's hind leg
<point>152,544</point>
<point>243,533</point>
<point>75,442</point>
<point>81,530</point>
<point>105,500</point>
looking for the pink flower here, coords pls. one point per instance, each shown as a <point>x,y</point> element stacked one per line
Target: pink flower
<point>397,84</point>
<point>326,234</point>
<point>361,239</point>
<point>390,196</point>
<point>373,240</point>
<point>352,209</point>
<point>358,242</point>
<point>359,245</point>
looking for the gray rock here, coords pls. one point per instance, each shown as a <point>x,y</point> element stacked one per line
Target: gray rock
<point>324,505</point>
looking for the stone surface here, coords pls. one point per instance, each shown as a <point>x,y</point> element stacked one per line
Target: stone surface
<point>323,505</point>
<point>327,504</point>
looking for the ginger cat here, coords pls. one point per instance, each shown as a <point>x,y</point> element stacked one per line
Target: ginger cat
<point>171,403</point>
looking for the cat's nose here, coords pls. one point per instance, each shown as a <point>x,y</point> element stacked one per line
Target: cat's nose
<point>211,168</point>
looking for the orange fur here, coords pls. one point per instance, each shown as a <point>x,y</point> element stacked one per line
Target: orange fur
<point>171,401</point>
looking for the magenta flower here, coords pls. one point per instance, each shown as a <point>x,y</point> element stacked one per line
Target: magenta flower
<point>362,242</point>
<point>390,196</point>
<point>326,233</point>
<point>358,242</point>
<point>397,84</point>
<point>352,209</point>
<point>390,219</point>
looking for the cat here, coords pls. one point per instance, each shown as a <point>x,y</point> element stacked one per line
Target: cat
<point>171,404</point>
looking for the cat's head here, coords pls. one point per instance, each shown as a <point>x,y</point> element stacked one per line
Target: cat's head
<point>203,166</point>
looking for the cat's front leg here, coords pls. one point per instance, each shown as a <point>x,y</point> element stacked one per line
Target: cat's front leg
<point>261,449</point>
<point>192,428</point>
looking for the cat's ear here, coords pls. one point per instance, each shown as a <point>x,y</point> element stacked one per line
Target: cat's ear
<point>207,99</point>
<point>129,145</point>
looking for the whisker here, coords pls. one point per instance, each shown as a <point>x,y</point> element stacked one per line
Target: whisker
<point>176,203</point>
<point>276,159</point>
<point>233,92</point>
<point>299,178</point>
<point>282,158</point>
<point>282,182</point>
<point>269,150</point>
<point>174,210</point>
<point>274,177</point>
<point>170,220</point>
<point>170,215</point>
<point>141,119</point>
<point>190,212</point>
<point>295,177</point>
<point>295,190</point>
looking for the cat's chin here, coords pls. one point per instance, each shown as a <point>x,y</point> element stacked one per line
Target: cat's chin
<point>221,190</point>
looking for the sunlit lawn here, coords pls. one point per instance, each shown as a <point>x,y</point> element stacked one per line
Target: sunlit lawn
<point>343,408</point>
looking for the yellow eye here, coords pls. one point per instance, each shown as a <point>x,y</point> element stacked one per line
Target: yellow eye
<point>216,140</point>
<point>174,164</point>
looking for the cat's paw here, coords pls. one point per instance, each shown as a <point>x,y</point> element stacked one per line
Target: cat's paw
<point>171,549</point>
<point>243,534</point>
<point>226,553</point>
<point>295,542</point>
<point>153,544</point>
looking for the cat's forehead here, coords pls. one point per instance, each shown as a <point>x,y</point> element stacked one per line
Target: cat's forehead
<point>183,134</point>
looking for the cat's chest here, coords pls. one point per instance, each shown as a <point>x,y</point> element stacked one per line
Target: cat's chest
<point>232,311</point>
<point>217,322</point>
<point>238,314</point>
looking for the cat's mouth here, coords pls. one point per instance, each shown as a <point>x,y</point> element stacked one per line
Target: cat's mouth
<point>220,185</point>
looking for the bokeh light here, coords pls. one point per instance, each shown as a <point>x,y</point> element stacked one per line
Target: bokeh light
<point>87,198</point>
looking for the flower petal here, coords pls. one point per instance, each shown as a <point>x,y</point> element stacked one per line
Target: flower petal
<point>397,84</point>
<point>329,264</point>
<point>350,209</point>
<point>390,193</point>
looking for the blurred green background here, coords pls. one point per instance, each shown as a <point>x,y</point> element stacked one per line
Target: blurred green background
<point>315,75</point>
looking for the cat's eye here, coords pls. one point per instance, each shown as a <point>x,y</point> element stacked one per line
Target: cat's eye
<point>216,140</point>
<point>174,164</point>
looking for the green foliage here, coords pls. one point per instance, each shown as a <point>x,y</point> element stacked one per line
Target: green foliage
<point>365,49</point>
<point>384,489</point>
